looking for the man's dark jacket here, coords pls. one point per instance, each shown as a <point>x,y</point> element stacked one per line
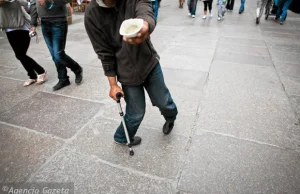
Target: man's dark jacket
<point>130,63</point>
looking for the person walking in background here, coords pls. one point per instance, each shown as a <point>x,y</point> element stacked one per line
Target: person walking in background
<point>181,2</point>
<point>207,3</point>
<point>192,6</point>
<point>221,9</point>
<point>242,7</point>
<point>53,14</point>
<point>155,6</point>
<point>16,23</point>
<point>283,6</point>
<point>261,4</point>
<point>230,5</point>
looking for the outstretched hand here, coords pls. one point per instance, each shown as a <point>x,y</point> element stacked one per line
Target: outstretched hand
<point>141,36</point>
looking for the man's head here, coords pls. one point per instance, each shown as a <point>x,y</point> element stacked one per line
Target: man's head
<point>110,3</point>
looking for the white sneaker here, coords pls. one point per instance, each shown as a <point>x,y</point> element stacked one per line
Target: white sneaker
<point>204,17</point>
<point>193,16</point>
<point>219,18</point>
<point>210,15</point>
<point>189,14</point>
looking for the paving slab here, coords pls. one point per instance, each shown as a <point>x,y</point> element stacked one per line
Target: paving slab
<point>288,69</point>
<point>285,46</point>
<point>291,85</point>
<point>23,152</point>
<point>220,164</point>
<point>166,153</point>
<point>52,114</point>
<point>295,101</point>
<point>92,176</point>
<point>4,70</point>
<point>242,41</point>
<point>13,92</point>
<point>185,62</point>
<point>243,59</point>
<point>259,115</point>
<point>286,57</point>
<point>89,89</point>
<point>187,79</point>
<point>243,76</point>
<point>248,50</point>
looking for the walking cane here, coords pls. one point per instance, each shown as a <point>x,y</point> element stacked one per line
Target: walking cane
<point>119,96</point>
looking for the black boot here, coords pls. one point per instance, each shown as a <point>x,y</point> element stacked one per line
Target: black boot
<point>61,84</point>
<point>167,128</point>
<point>135,141</point>
<point>78,76</point>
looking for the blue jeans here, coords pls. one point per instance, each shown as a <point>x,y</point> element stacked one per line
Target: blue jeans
<point>242,8</point>
<point>136,105</point>
<point>55,35</point>
<point>283,5</point>
<point>155,7</point>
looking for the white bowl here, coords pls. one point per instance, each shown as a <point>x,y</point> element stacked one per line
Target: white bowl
<point>130,28</point>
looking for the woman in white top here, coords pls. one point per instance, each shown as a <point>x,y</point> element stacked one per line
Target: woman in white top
<point>14,21</point>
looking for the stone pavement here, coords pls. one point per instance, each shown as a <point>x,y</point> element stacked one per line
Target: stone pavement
<point>237,87</point>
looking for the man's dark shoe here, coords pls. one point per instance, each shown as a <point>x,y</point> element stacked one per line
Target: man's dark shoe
<point>168,126</point>
<point>78,76</point>
<point>135,141</point>
<point>61,84</point>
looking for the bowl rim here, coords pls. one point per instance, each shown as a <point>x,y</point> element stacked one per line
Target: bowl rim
<point>141,21</point>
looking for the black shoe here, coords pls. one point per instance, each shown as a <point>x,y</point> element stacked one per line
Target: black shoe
<point>167,128</point>
<point>135,141</point>
<point>257,20</point>
<point>78,76</point>
<point>61,84</point>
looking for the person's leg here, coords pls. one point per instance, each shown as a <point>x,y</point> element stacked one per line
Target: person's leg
<point>155,8</point>
<point>19,41</point>
<point>228,4</point>
<point>160,95</point>
<point>59,36</point>
<point>135,111</point>
<point>210,5</point>
<point>231,5</point>
<point>242,8</point>
<point>279,10</point>
<point>193,7</point>
<point>205,9</point>
<point>285,9</point>
<point>220,9</point>
<point>49,39</point>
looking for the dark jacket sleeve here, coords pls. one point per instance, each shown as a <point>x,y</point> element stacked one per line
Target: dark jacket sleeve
<point>101,45</point>
<point>144,11</point>
<point>33,13</point>
<point>59,2</point>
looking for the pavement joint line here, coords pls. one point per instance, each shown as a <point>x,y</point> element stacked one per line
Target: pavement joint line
<point>280,51</point>
<point>63,147</point>
<point>8,67</point>
<point>193,127</point>
<point>74,97</point>
<point>15,79</point>
<point>246,139</point>
<point>283,86</point>
<point>33,131</point>
<point>128,169</point>
<point>241,53</point>
<point>243,63</point>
